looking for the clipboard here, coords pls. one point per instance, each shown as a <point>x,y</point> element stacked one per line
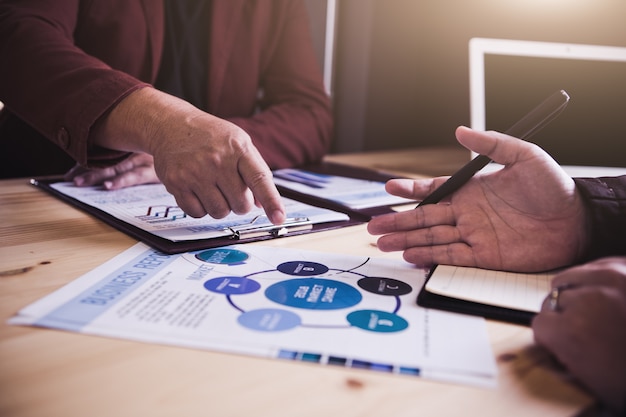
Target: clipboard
<point>243,233</point>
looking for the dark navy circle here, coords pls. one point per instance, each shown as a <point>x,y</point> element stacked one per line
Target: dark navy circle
<point>384,286</point>
<point>302,268</point>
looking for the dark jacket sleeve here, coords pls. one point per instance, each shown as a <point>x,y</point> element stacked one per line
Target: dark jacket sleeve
<point>605,199</point>
<point>66,63</point>
<point>50,74</point>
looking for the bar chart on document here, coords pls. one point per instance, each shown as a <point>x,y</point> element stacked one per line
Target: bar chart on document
<point>153,209</point>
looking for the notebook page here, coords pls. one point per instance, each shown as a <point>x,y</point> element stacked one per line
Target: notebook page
<point>504,289</point>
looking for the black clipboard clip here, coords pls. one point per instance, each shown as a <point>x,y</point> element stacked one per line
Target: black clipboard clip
<point>252,230</point>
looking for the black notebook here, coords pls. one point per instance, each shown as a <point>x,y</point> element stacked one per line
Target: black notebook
<point>498,295</point>
<point>317,197</point>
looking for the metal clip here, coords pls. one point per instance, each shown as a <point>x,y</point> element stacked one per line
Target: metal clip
<point>252,230</point>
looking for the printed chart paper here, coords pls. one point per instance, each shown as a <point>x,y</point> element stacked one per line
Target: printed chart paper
<point>153,209</point>
<point>330,309</point>
<point>350,192</point>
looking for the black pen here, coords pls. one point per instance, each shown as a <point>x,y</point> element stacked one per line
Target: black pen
<point>534,121</point>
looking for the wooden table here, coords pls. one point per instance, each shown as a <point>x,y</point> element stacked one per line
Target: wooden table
<point>45,244</point>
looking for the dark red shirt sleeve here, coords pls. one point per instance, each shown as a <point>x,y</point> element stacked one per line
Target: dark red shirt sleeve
<point>605,199</point>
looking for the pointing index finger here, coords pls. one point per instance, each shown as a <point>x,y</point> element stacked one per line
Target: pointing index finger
<point>258,177</point>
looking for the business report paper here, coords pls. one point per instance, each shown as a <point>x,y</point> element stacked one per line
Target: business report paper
<point>324,308</point>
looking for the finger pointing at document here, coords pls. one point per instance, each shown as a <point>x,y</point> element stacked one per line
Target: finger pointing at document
<point>207,163</point>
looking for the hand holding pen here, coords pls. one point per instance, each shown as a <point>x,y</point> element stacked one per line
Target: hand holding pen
<point>525,217</point>
<point>530,124</point>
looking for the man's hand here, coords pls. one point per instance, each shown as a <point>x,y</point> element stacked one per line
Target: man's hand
<point>587,333</point>
<point>524,217</point>
<point>209,164</point>
<point>134,170</point>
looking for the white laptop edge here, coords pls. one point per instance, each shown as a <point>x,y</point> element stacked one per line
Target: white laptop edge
<point>478,47</point>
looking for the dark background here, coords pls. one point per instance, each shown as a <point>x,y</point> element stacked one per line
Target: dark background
<point>401,66</point>
<point>591,130</point>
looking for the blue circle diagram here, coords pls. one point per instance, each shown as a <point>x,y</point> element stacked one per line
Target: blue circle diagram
<point>302,268</point>
<point>269,320</point>
<point>377,321</point>
<point>223,256</point>
<point>314,294</point>
<point>306,289</point>
<point>232,285</point>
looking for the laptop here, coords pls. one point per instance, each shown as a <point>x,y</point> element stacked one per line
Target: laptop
<point>510,77</point>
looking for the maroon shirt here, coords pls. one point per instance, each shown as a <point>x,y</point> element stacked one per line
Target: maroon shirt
<point>65,63</point>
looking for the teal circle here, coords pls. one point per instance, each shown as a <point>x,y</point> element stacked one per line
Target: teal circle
<point>222,256</point>
<point>377,321</point>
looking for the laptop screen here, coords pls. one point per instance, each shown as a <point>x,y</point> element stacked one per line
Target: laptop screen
<point>518,75</point>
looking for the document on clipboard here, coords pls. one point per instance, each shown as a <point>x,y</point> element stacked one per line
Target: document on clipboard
<point>352,193</point>
<point>359,192</point>
<point>149,213</point>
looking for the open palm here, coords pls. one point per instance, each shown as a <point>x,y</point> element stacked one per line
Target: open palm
<point>526,216</point>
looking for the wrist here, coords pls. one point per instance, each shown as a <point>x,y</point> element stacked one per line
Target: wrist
<point>140,121</point>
